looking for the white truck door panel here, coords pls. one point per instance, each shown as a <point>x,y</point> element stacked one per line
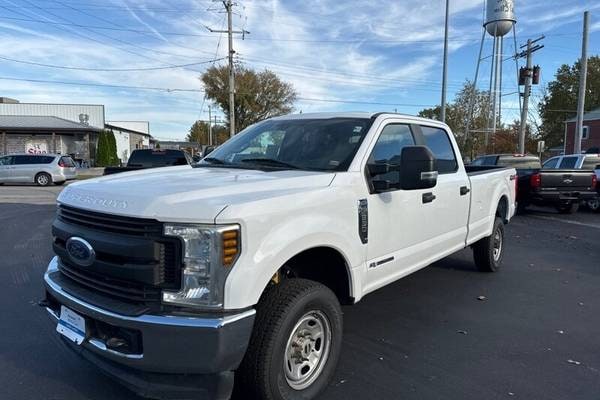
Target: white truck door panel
<point>450,211</point>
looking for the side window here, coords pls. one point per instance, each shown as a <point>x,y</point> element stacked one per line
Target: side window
<point>568,162</point>
<point>5,160</point>
<point>478,162</point>
<point>591,163</point>
<point>551,163</point>
<point>21,160</point>
<point>439,143</point>
<point>389,145</point>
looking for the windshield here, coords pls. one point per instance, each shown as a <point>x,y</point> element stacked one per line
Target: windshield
<point>307,144</point>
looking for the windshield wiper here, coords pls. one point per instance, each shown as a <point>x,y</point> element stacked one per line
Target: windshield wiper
<point>270,162</point>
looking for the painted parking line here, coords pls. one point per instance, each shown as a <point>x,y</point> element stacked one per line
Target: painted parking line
<point>566,221</point>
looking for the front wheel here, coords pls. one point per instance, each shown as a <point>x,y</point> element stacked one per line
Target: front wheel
<point>295,344</point>
<point>489,251</point>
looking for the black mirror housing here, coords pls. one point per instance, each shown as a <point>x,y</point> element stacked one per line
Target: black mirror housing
<point>418,168</point>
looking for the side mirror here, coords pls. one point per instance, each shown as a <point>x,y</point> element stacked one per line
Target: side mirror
<point>418,168</point>
<point>208,150</point>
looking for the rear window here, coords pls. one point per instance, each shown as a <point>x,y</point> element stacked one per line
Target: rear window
<point>590,163</point>
<point>157,158</point>
<point>551,163</point>
<point>568,163</point>
<point>26,160</point>
<point>520,162</point>
<point>67,162</point>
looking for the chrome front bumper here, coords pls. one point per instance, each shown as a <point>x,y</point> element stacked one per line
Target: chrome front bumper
<point>171,344</point>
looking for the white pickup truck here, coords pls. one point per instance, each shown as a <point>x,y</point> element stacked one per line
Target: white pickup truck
<point>176,280</point>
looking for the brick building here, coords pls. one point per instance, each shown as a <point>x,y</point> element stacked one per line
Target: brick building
<point>591,132</point>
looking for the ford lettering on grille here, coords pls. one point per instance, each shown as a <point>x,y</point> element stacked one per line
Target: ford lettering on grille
<point>80,251</point>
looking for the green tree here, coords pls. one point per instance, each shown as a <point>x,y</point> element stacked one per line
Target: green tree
<point>259,95</point>
<point>560,101</point>
<point>198,133</point>
<point>106,150</point>
<point>457,116</point>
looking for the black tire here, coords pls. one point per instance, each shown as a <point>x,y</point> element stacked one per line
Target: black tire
<point>593,205</point>
<point>568,208</point>
<point>486,259</point>
<point>262,374</point>
<point>59,183</point>
<point>43,179</point>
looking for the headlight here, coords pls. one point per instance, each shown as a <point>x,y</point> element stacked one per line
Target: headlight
<point>209,252</point>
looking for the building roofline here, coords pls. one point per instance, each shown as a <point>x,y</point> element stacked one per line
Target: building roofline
<point>125,129</point>
<point>57,104</point>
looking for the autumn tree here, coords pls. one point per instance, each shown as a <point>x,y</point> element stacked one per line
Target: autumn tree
<point>198,133</point>
<point>258,95</point>
<point>560,101</point>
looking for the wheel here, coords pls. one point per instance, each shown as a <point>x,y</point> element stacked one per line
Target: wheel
<point>567,208</point>
<point>295,344</point>
<point>489,251</point>
<point>594,205</point>
<point>43,179</point>
<point>59,183</point>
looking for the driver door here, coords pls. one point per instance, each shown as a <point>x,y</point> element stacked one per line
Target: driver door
<point>6,169</point>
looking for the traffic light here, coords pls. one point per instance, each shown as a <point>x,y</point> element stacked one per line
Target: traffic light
<point>536,75</point>
<point>522,76</point>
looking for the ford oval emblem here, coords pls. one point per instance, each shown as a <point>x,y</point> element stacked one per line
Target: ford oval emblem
<point>80,251</point>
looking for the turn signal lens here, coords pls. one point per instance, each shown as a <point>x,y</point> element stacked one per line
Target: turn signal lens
<point>231,247</point>
<point>594,181</point>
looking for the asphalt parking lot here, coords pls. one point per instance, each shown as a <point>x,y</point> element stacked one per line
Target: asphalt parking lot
<point>534,335</point>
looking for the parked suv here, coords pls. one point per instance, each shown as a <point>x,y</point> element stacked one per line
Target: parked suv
<point>42,169</point>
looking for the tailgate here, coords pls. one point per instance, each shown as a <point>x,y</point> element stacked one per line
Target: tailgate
<point>565,180</point>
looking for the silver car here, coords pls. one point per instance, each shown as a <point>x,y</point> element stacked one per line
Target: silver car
<point>42,169</point>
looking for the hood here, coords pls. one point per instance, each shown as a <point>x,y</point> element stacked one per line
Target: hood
<point>184,194</point>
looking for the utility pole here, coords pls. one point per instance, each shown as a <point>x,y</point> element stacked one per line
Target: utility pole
<point>230,32</point>
<point>445,68</point>
<point>528,80</point>
<point>582,83</point>
<point>210,141</point>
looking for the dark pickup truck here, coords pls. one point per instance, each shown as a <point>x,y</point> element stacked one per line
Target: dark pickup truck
<point>152,158</point>
<point>563,189</point>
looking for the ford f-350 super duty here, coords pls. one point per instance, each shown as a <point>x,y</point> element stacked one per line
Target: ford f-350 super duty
<point>177,280</point>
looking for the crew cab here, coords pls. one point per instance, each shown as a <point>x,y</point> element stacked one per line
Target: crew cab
<point>562,188</point>
<point>588,162</point>
<point>176,280</point>
<point>152,158</point>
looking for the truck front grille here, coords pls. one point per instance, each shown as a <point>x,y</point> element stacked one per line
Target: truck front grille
<point>134,261</point>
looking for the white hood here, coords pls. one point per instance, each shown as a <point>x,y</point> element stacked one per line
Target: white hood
<point>186,194</point>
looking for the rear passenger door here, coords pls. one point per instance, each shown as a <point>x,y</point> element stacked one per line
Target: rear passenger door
<point>452,194</point>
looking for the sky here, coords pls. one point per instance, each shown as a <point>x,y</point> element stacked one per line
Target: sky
<point>142,58</point>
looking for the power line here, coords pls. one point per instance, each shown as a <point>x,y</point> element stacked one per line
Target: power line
<point>170,90</point>
<point>109,69</point>
<point>171,33</point>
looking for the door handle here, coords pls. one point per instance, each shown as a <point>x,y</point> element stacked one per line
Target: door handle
<point>464,190</point>
<point>428,197</point>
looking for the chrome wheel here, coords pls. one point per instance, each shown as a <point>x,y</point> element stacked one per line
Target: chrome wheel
<point>43,179</point>
<point>497,252</point>
<point>307,350</point>
<point>593,205</point>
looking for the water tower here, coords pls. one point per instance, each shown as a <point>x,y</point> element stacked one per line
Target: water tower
<point>499,20</point>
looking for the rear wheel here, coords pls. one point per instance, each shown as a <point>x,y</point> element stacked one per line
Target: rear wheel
<point>489,251</point>
<point>43,179</point>
<point>295,344</point>
<point>593,205</point>
<point>567,208</point>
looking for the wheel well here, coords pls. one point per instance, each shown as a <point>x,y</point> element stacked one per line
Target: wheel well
<point>324,265</point>
<point>502,209</point>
